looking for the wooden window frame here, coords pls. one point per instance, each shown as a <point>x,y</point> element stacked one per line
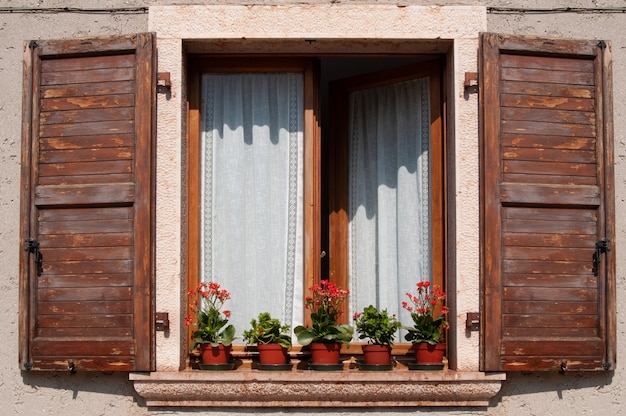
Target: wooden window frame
<point>338,157</point>
<point>311,134</point>
<point>313,178</point>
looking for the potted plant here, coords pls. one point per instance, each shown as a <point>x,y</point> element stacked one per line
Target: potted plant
<point>213,335</point>
<point>429,322</point>
<point>325,336</point>
<point>379,328</point>
<point>271,338</point>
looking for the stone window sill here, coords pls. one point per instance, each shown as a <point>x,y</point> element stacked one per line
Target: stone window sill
<point>248,387</point>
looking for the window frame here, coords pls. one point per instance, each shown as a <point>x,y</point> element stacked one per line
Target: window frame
<point>314,211</point>
<point>338,158</point>
<point>311,198</point>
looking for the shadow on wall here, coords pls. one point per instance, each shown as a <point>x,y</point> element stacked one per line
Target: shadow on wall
<point>521,383</point>
<point>115,384</point>
<point>516,384</point>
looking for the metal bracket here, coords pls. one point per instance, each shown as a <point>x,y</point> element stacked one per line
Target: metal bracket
<point>472,321</point>
<point>163,80</point>
<point>162,321</point>
<point>471,80</point>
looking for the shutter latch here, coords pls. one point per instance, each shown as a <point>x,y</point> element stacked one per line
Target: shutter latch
<point>602,246</point>
<point>32,246</point>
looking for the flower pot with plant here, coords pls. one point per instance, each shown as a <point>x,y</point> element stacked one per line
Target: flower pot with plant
<point>325,336</point>
<point>271,338</point>
<point>429,323</point>
<point>213,335</point>
<point>380,329</point>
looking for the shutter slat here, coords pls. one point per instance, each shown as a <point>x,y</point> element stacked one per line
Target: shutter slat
<point>95,293</point>
<point>122,193</point>
<point>550,194</point>
<point>551,307</point>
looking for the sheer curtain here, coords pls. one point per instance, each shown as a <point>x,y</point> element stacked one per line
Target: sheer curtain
<point>389,230</point>
<point>252,192</point>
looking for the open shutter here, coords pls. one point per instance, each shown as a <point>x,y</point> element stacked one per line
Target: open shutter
<point>86,204</point>
<point>547,197</point>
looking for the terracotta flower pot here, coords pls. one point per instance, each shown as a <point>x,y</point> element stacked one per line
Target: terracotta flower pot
<point>272,354</point>
<point>325,353</point>
<point>215,355</point>
<point>376,354</point>
<point>429,354</point>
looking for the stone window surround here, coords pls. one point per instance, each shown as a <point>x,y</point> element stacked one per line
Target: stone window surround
<point>324,28</point>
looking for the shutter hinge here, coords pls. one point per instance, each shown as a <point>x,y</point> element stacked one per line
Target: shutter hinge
<point>71,367</point>
<point>471,81</point>
<point>606,366</point>
<point>164,81</point>
<point>162,321</point>
<point>28,366</point>
<point>32,44</point>
<point>472,321</point>
<point>602,44</point>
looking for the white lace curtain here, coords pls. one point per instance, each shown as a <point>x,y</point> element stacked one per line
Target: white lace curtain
<point>389,231</point>
<point>252,192</point>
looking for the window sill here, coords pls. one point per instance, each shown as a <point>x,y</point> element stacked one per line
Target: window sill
<point>305,388</point>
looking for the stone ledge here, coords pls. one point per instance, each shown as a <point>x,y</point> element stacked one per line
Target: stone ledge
<point>302,388</point>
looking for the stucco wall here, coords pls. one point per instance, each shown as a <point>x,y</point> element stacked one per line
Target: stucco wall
<point>81,394</point>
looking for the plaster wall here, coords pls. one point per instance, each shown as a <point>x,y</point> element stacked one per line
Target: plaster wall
<point>112,394</point>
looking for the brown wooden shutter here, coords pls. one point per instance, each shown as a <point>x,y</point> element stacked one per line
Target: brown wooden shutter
<point>548,198</point>
<point>87,203</point>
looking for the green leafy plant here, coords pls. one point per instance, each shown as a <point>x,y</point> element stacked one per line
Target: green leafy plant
<point>377,326</point>
<point>205,302</point>
<point>267,330</point>
<point>423,306</point>
<point>325,309</point>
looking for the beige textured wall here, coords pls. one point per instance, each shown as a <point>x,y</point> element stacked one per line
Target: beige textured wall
<point>104,394</point>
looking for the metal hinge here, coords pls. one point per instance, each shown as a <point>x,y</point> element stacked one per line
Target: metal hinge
<point>472,321</point>
<point>162,321</point>
<point>471,80</point>
<point>32,246</point>
<point>163,80</point>
<point>602,246</point>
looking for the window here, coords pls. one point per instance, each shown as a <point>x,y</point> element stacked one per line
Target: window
<point>258,158</point>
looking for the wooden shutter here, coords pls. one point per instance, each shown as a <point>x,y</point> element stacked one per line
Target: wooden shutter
<point>86,203</point>
<point>547,198</point>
